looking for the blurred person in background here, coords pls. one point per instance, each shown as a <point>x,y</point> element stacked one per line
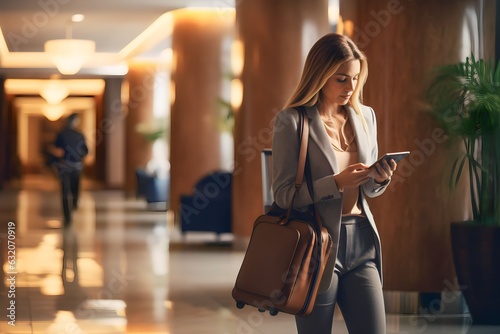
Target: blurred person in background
<point>70,148</point>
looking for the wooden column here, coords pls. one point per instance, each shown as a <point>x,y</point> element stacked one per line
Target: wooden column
<point>3,134</point>
<point>197,74</point>
<point>13,162</point>
<point>112,128</point>
<point>138,152</point>
<point>276,36</point>
<point>99,171</point>
<point>404,40</point>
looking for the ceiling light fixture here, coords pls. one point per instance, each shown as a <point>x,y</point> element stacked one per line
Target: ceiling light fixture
<point>69,55</point>
<point>54,91</point>
<point>77,18</point>
<point>53,112</point>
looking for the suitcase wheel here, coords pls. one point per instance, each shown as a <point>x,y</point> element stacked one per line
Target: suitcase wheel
<point>261,310</point>
<point>240,305</point>
<point>273,311</point>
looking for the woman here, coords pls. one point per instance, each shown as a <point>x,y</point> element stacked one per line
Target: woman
<point>342,146</point>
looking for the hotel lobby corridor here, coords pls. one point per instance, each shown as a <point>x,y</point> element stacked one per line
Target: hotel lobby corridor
<point>122,268</point>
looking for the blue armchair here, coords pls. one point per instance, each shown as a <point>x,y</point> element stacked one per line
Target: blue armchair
<point>151,187</point>
<point>209,208</point>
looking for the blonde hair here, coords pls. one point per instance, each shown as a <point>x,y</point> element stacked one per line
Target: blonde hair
<point>323,60</point>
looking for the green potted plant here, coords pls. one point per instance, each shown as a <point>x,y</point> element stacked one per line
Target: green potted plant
<point>465,100</point>
<point>151,131</point>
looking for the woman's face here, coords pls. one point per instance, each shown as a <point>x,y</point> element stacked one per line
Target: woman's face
<point>340,86</point>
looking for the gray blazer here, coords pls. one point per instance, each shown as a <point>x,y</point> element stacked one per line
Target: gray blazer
<point>327,197</point>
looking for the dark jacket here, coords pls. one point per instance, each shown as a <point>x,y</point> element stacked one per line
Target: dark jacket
<point>73,144</point>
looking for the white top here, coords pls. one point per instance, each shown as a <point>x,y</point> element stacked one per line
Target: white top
<point>342,138</point>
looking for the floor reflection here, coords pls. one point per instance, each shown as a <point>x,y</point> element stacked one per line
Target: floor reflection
<point>121,268</point>
<point>73,294</point>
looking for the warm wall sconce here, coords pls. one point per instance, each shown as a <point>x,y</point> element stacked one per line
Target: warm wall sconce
<point>172,92</point>
<point>237,64</point>
<point>237,57</point>
<point>236,93</point>
<point>69,55</point>
<point>54,91</point>
<point>345,27</point>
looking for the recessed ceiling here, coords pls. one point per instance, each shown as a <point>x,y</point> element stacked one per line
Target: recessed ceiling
<point>113,24</point>
<point>27,25</point>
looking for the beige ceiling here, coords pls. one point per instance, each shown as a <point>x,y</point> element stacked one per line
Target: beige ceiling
<point>113,24</point>
<point>124,30</point>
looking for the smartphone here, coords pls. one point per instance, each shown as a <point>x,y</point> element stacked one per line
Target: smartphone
<point>396,156</point>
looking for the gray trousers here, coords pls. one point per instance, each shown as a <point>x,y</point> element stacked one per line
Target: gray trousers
<point>356,286</point>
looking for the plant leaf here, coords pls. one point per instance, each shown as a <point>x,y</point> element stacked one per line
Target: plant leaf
<point>460,169</point>
<point>460,159</point>
<point>465,101</point>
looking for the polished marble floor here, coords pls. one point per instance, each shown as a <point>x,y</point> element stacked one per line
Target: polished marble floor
<point>123,268</point>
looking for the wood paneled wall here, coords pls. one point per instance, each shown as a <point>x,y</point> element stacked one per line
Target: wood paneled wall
<point>277,36</point>
<point>404,40</point>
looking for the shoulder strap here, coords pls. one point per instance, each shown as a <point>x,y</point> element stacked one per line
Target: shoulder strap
<point>304,142</point>
<point>303,167</point>
<point>304,123</point>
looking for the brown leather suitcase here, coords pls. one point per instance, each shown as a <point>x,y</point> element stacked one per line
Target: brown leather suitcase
<point>287,253</point>
<point>282,267</point>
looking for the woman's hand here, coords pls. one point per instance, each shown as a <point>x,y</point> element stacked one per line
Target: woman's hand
<point>382,171</point>
<point>353,176</point>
